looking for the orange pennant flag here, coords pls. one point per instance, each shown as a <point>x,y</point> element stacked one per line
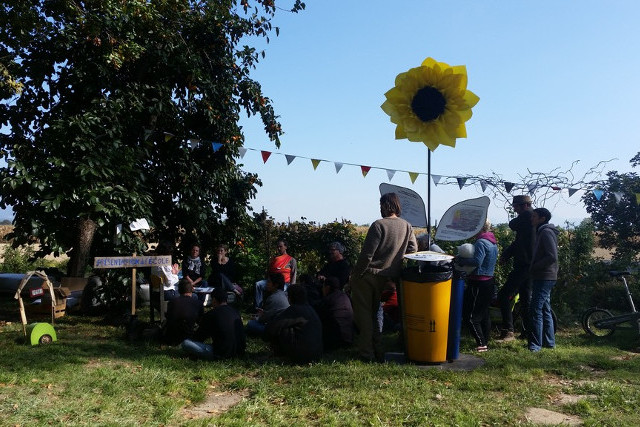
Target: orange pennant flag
<point>315,163</point>
<point>365,170</point>
<point>413,176</point>
<point>265,156</point>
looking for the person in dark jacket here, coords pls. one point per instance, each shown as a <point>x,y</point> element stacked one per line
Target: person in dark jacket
<point>275,303</point>
<point>223,325</point>
<point>518,280</point>
<point>544,273</point>
<point>336,315</point>
<point>182,314</point>
<point>296,333</point>
<point>337,266</point>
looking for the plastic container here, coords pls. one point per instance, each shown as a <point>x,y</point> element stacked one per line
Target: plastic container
<point>426,296</point>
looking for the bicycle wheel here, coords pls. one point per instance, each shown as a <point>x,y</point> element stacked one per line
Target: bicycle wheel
<point>593,315</point>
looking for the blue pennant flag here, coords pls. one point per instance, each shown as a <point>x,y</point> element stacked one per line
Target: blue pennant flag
<point>216,146</point>
<point>598,194</point>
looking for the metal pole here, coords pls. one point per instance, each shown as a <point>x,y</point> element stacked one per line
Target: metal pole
<point>429,194</point>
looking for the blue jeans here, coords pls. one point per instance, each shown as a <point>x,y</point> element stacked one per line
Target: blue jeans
<point>255,328</point>
<point>542,334</point>
<point>197,349</point>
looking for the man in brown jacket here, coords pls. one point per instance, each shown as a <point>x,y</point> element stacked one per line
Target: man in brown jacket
<point>388,239</point>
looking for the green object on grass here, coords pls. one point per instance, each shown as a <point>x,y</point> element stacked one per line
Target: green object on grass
<point>41,333</point>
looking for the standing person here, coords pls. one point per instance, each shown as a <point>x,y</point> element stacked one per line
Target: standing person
<point>337,266</point>
<point>193,268</point>
<point>481,284</point>
<point>518,280</point>
<point>283,264</point>
<point>387,240</point>
<point>223,325</point>
<point>544,273</point>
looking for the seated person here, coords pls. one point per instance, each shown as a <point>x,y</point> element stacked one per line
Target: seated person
<point>296,333</point>
<point>283,264</point>
<point>336,314</point>
<point>182,315</point>
<point>224,326</point>
<point>337,266</point>
<point>223,271</point>
<point>193,268</point>
<point>275,303</point>
<point>313,288</point>
<point>168,273</point>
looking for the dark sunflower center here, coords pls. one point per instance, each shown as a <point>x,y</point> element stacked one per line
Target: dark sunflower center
<point>428,103</point>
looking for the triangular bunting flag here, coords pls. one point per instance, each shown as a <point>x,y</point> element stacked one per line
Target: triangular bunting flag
<point>147,134</point>
<point>532,188</point>
<point>338,166</point>
<point>167,136</point>
<point>508,186</point>
<point>436,179</point>
<point>242,151</point>
<point>413,176</point>
<point>553,187</point>
<point>598,194</point>
<point>572,191</point>
<point>193,142</point>
<point>618,195</point>
<point>290,158</point>
<point>461,181</point>
<point>637,198</point>
<point>315,163</point>
<point>216,146</point>
<point>483,185</point>
<point>390,173</point>
<point>365,170</point>
<point>265,156</point>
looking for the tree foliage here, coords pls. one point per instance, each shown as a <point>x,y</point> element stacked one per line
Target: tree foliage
<point>618,221</point>
<point>110,108</point>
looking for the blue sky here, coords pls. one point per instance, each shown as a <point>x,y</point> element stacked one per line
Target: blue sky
<point>556,81</point>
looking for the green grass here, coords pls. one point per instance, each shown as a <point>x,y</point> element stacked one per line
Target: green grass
<point>93,376</point>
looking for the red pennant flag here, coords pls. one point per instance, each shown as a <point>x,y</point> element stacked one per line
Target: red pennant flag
<point>265,156</point>
<point>365,170</point>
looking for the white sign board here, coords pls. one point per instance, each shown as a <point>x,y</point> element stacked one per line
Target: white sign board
<point>463,220</point>
<point>131,261</point>
<point>410,202</point>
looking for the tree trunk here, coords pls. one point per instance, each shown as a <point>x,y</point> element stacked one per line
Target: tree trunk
<point>85,230</point>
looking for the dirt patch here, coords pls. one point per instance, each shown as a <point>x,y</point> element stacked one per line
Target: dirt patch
<point>568,399</point>
<point>628,355</point>
<point>545,416</point>
<point>214,404</point>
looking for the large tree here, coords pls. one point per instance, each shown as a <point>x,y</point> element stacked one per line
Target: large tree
<point>109,111</point>
<point>616,214</point>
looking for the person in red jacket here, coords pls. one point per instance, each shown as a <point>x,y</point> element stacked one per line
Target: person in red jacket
<point>284,264</point>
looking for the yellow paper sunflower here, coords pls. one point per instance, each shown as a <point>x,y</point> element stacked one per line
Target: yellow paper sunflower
<point>431,104</point>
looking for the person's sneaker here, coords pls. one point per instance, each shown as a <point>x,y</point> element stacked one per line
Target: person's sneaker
<point>507,336</point>
<point>481,348</point>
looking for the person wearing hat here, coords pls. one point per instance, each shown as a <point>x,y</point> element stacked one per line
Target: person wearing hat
<point>519,280</point>
<point>337,266</point>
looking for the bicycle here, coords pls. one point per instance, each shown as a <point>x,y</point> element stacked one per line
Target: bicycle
<point>599,322</point>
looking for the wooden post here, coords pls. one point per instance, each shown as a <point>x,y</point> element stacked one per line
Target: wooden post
<point>133,290</point>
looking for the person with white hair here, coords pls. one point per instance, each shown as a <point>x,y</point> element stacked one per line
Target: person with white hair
<point>481,284</point>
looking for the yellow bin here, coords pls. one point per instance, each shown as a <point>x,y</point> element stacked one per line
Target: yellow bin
<point>425,313</point>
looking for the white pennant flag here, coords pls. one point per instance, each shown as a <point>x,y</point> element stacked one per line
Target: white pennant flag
<point>483,185</point>
<point>390,173</point>
<point>194,142</point>
<point>618,195</point>
<point>532,188</point>
<point>338,166</point>
<point>242,151</point>
<point>290,158</point>
<point>436,179</point>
